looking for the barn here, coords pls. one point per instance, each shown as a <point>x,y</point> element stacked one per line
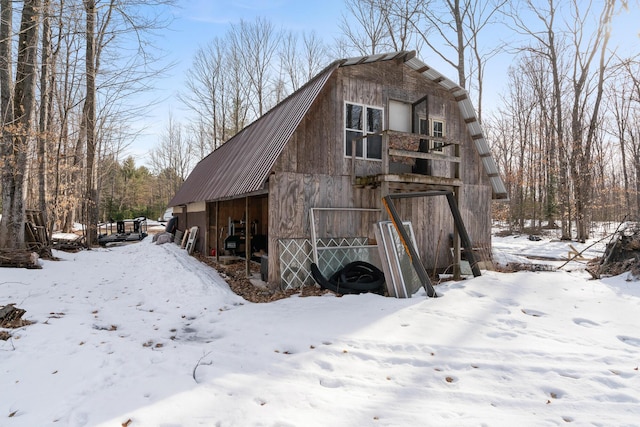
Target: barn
<point>305,182</point>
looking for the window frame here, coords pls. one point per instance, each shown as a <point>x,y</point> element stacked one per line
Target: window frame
<point>434,146</point>
<point>364,121</point>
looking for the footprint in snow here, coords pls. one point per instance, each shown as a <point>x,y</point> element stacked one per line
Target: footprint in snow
<point>534,313</point>
<point>513,323</point>
<point>475,294</point>
<point>324,365</point>
<point>629,340</point>
<point>585,322</point>
<point>330,383</point>
<point>501,335</point>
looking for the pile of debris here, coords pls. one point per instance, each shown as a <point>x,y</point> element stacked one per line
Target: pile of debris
<point>621,255</point>
<point>235,275</point>
<point>11,318</point>
<point>19,258</point>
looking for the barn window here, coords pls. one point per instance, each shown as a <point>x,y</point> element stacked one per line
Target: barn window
<point>433,127</point>
<point>361,120</point>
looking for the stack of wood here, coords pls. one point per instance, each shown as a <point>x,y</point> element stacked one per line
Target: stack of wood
<point>36,234</point>
<point>18,258</point>
<point>37,242</point>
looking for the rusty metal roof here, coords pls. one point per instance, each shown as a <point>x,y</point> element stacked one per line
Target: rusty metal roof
<point>242,164</point>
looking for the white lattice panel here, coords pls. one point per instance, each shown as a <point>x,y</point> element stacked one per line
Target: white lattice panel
<point>296,256</point>
<point>295,263</point>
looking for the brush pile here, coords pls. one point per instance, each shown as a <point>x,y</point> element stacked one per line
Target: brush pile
<point>621,255</point>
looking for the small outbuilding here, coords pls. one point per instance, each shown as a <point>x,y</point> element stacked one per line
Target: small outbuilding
<point>306,181</point>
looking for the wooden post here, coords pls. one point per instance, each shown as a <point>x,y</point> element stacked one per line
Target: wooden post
<point>217,237</point>
<point>456,232</point>
<point>384,185</point>
<point>456,241</point>
<point>207,227</point>
<point>247,236</point>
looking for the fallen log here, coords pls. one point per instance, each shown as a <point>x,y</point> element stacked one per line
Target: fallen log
<point>18,258</point>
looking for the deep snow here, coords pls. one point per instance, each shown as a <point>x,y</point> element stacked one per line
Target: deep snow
<point>145,334</point>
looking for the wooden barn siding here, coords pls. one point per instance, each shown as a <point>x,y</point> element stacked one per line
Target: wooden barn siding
<point>292,195</point>
<point>358,85</point>
<point>186,220</point>
<point>313,172</point>
<point>475,207</point>
<point>432,224</point>
<point>431,217</point>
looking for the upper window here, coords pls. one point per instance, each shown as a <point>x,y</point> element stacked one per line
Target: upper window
<point>361,121</point>
<point>433,127</point>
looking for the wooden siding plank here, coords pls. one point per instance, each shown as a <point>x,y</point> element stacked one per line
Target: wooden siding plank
<point>419,179</point>
<point>421,155</point>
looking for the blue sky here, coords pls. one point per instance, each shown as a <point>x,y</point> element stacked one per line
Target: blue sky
<point>196,22</point>
<point>199,21</point>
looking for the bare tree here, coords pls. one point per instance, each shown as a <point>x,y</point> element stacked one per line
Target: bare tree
<point>109,78</point>
<point>399,18</point>
<point>19,130</point>
<point>174,157</point>
<point>453,28</point>
<point>206,86</point>
<point>92,59</point>
<point>623,104</point>
<point>234,80</point>
<point>586,107</point>
<point>257,43</point>
<point>45,107</point>
<point>365,26</point>
<point>301,60</point>
<point>6,73</point>
<point>546,46</point>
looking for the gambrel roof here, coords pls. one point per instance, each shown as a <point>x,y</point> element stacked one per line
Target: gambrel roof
<point>242,165</point>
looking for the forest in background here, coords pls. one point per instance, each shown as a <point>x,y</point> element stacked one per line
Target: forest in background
<point>565,134</point>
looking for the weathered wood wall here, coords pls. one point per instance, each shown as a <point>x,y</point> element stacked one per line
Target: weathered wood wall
<point>314,172</point>
<point>186,220</point>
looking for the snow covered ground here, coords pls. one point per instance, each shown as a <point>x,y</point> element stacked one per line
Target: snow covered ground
<point>144,335</point>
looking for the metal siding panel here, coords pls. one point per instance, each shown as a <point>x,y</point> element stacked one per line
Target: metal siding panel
<point>467,109</point>
<point>475,128</point>
<point>501,190</point>
<point>481,146</point>
<point>448,84</point>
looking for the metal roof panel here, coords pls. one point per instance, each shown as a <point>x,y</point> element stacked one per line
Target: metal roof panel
<point>242,164</point>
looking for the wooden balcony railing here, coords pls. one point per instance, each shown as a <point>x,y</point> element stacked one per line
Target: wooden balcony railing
<point>406,162</point>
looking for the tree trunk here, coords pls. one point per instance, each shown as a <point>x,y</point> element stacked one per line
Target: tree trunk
<point>91,200</point>
<point>582,165</point>
<point>462,75</point>
<point>6,112</point>
<point>45,108</point>
<point>17,132</point>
